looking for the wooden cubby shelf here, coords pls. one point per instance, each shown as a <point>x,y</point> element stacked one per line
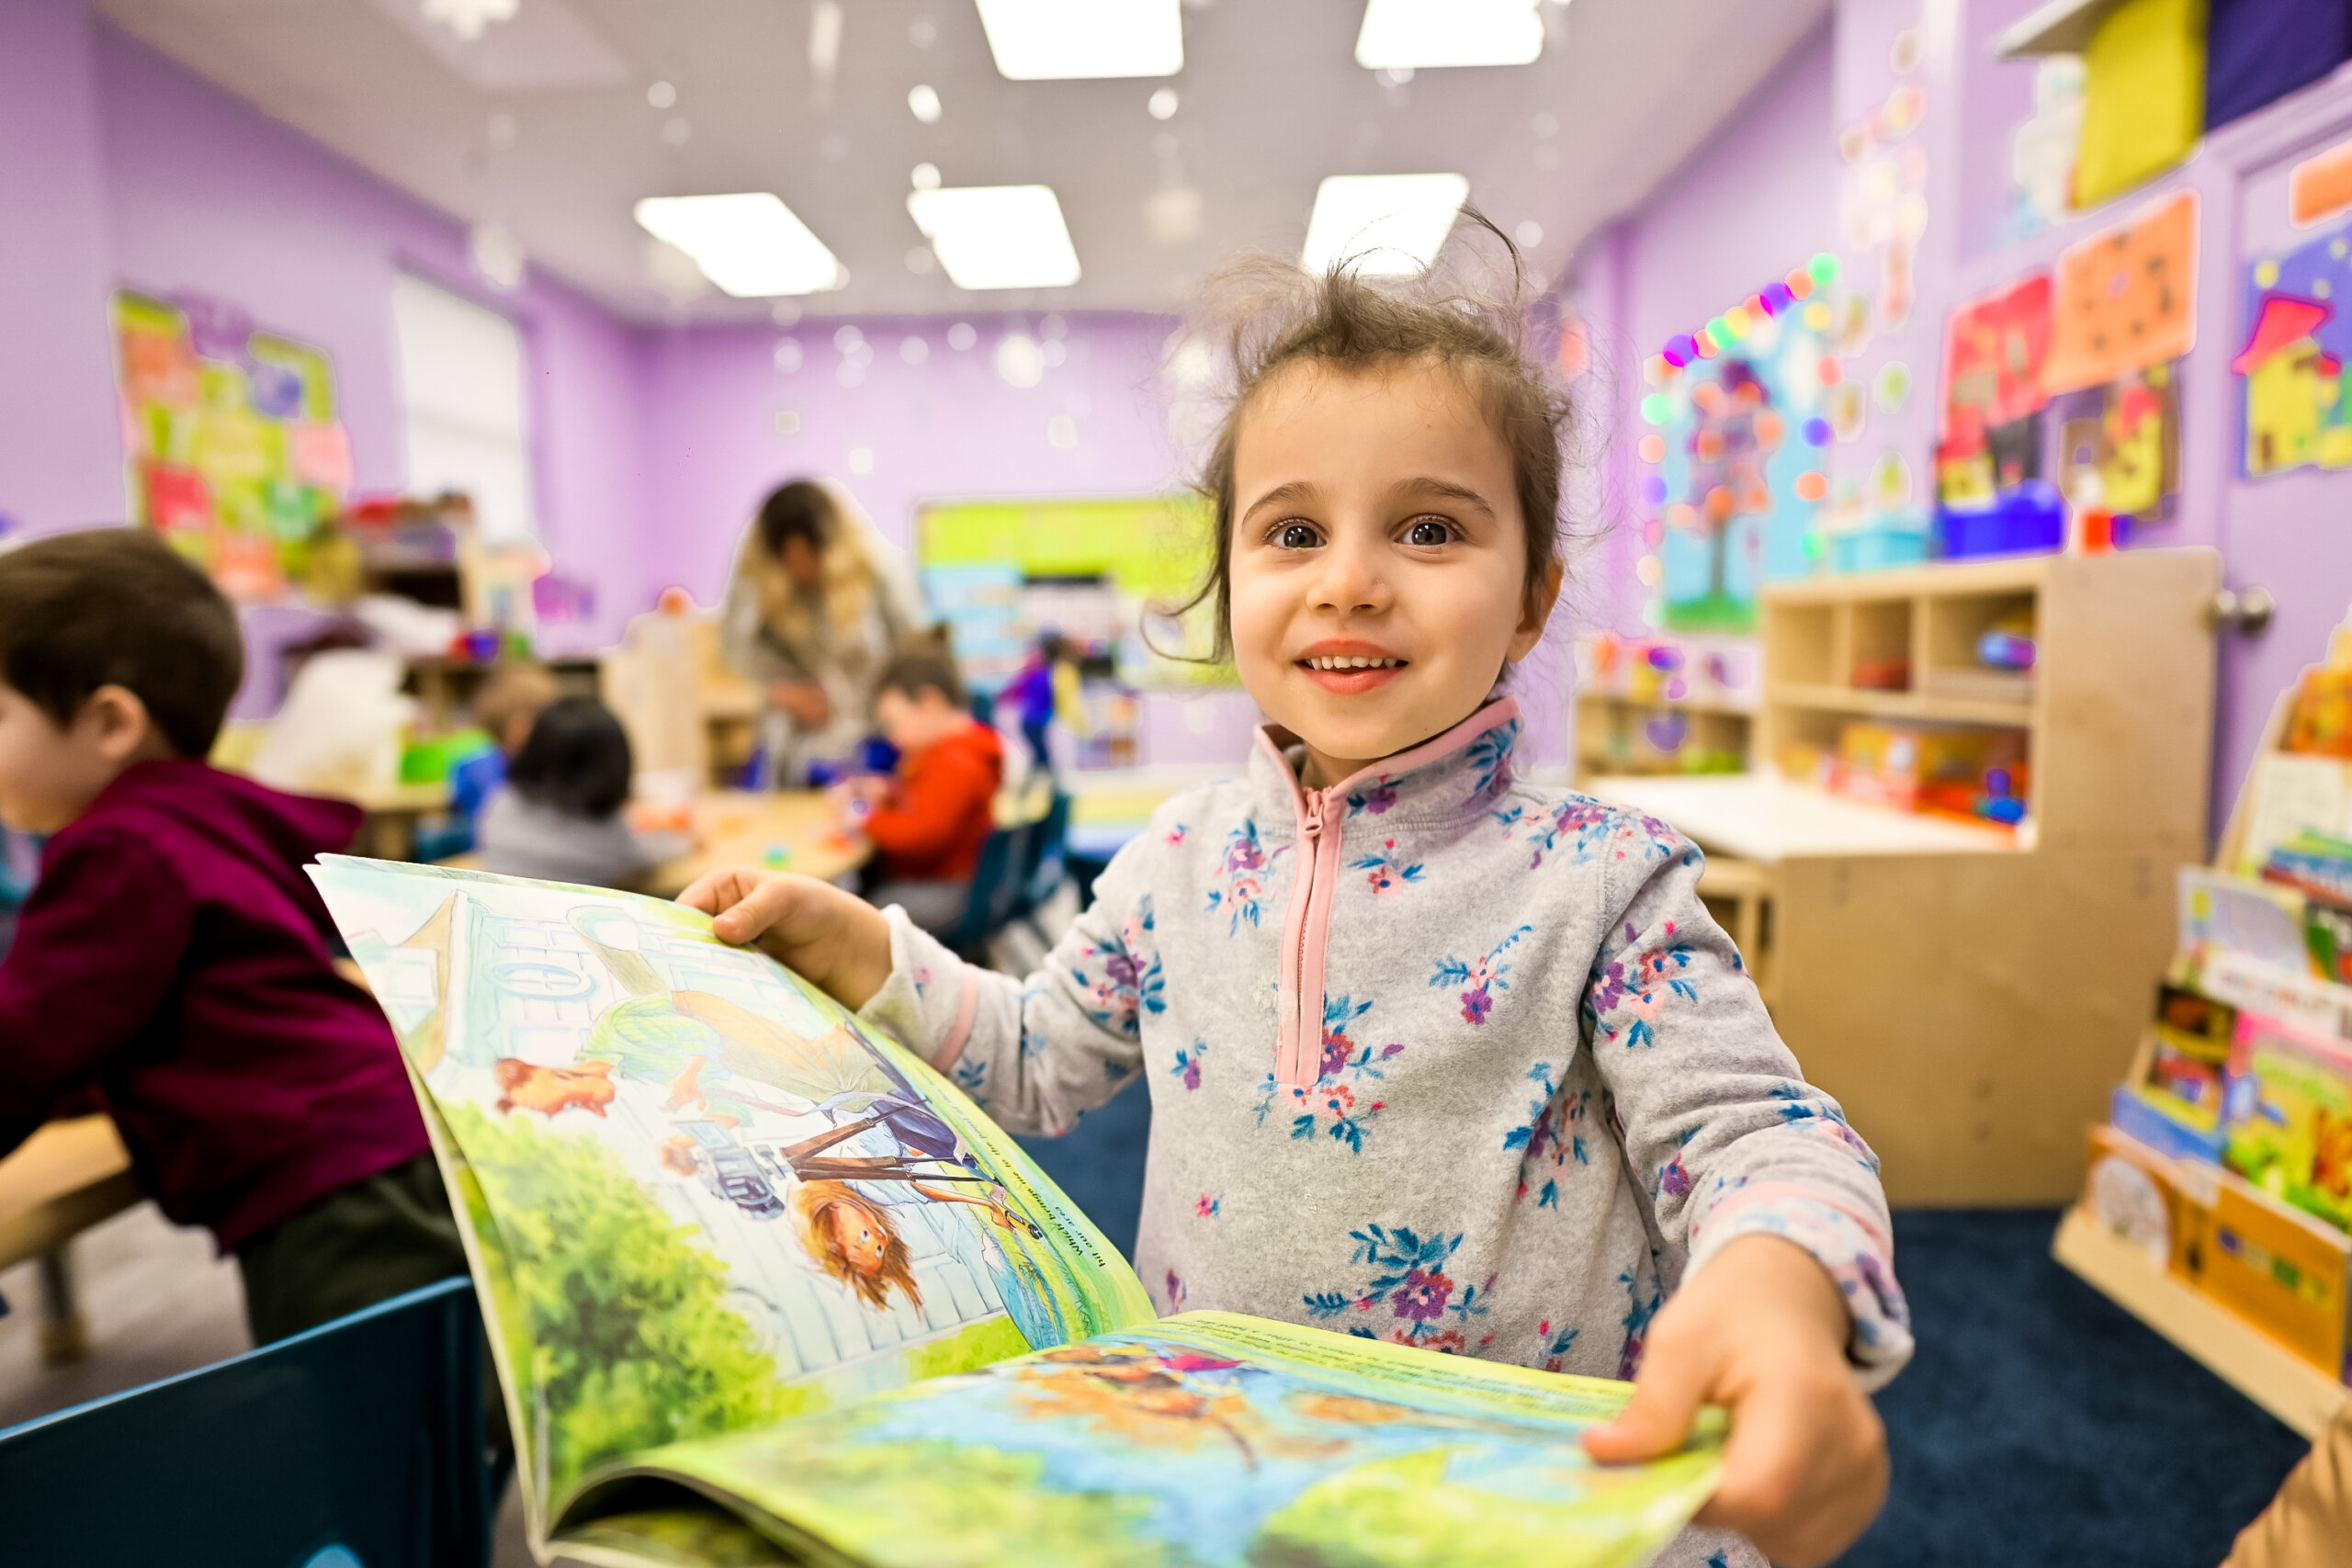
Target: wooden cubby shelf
<point>1966,992</point>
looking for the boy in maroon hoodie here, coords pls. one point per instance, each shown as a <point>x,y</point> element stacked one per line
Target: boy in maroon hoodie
<point>174,961</point>
<point>928,824</point>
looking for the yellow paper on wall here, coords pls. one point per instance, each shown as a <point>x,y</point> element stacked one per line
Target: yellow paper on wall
<point>2143,95</point>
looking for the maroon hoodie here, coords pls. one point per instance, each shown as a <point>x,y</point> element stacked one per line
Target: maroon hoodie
<point>173,959</point>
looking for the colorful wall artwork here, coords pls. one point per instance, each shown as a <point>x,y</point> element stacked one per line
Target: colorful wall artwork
<point>236,454</point>
<point>2125,298</point>
<point>1733,469</point>
<point>1990,441</point>
<point>2291,359</point>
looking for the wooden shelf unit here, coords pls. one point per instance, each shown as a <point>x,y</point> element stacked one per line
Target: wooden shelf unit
<point>1967,993</point>
<point>1606,730</point>
<point>2231,1349</point>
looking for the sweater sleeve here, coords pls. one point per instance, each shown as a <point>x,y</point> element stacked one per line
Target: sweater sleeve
<point>1717,1121</point>
<point>1035,1053</point>
<point>97,949</point>
<point>928,810</point>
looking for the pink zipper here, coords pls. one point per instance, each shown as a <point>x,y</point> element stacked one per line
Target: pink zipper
<point>1307,930</point>
<point>1306,924</point>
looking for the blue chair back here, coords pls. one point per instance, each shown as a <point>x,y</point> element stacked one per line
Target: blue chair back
<point>1048,847</point>
<point>357,1445</point>
<point>996,885</point>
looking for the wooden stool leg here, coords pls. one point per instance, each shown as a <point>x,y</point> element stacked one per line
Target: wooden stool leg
<point>64,1332</point>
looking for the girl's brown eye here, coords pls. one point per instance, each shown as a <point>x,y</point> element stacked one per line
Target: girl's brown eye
<point>1295,536</point>
<point>1429,531</point>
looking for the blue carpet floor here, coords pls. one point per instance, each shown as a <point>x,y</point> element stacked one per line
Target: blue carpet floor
<point>2040,1423</point>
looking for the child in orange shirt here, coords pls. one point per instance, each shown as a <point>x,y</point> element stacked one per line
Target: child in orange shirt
<point>929,822</point>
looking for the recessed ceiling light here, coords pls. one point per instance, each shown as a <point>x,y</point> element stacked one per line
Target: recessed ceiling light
<point>922,102</point>
<point>661,94</point>
<point>997,236</point>
<point>751,244</point>
<point>1405,35</point>
<point>1040,40</point>
<point>1163,104</point>
<point>1383,225</point>
<point>923,176</point>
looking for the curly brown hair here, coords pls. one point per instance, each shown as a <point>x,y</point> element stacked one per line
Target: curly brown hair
<point>1268,313</point>
<point>812,1211</point>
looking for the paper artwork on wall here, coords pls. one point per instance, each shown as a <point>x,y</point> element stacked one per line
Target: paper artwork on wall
<point>2292,358</point>
<point>2119,446</point>
<point>1994,350</point>
<point>2320,187</point>
<point>234,451</point>
<point>2125,298</point>
<point>1736,477</point>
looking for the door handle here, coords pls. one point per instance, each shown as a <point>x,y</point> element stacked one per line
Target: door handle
<point>2246,611</point>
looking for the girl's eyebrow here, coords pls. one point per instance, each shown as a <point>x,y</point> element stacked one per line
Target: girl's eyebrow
<point>1282,495</point>
<point>1425,485</point>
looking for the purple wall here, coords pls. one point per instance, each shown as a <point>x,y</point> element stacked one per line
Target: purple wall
<point>945,429</point>
<point>1764,189</point>
<point>1756,199</point>
<point>61,456</point>
<point>205,194</point>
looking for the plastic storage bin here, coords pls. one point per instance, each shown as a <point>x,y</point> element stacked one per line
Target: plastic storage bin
<point>2027,520</point>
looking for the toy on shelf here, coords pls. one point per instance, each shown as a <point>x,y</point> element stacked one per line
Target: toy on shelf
<point>1663,704</point>
<point>1976,773</point>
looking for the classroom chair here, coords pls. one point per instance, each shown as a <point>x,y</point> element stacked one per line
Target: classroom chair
<point>996,891</point>
<point>1042,870</point>
<point>357,1445</point>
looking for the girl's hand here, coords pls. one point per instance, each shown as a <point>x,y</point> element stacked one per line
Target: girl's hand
<point>805,700</point>
<point>1762,1331</point>
<point>837,940</point>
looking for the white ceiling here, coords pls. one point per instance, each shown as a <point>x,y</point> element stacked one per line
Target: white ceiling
<point>544,125</point>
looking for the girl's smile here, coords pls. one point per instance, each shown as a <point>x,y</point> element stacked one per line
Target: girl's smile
<point>1346,667</point>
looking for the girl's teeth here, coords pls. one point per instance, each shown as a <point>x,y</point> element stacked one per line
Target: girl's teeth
<point>1352,663</point>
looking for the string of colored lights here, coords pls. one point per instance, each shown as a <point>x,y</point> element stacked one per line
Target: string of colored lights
<point>1738,321</point>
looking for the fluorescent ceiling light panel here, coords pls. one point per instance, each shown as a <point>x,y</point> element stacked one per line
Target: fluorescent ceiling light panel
<point>1400,35</point>
<point>1044,41</point>
<point>1384,225</point>
<point>750,244</point>
<point>997,236</point>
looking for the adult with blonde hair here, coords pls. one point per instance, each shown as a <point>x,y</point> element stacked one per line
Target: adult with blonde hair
<point>817,602</point>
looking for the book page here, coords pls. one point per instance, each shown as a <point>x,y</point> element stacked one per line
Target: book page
<point>701,1197</point>
<point>2290,794</point>
<point>1204,1439</point>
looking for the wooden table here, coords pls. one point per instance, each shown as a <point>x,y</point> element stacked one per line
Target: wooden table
<point>392,812</point>
<point>64,1178</point>
<point>739,828</point>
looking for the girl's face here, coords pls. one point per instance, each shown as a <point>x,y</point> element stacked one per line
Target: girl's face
<point>1379,576</point>
<point>862,1245</point>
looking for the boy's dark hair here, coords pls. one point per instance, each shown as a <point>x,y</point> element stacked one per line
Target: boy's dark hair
<point>1271,313</point>
<point>120,607</point>
<point>924,662</point>
<point>576,761</point>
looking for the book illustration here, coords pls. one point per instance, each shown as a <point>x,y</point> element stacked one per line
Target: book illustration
<point>720,1199</point>
<point>765,1288</point>
<point>1211,1439</point>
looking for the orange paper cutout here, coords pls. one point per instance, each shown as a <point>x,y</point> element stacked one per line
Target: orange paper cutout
<point>2321,185</point>
<point>2126,298</point>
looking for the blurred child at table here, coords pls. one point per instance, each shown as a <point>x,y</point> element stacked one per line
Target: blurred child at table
<point>174,962</point>
<point>510,701</point>
<point>559,817</point>
<point>929,821</point>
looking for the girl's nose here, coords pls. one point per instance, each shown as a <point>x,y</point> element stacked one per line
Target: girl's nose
<point>1353,581</point>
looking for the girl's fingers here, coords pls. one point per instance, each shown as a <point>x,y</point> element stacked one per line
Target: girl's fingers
<point>1665,1401</point>
<point>714,890</point>
<point>1805,1470</point>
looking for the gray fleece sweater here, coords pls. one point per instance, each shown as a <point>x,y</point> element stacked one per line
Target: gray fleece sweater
<point>1435,1057</point>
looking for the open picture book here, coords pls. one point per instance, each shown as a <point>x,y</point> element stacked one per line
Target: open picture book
<point>762,1288</point>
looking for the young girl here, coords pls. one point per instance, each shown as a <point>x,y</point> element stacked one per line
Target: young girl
<point>1435,1055</point>
<point>559,816</point>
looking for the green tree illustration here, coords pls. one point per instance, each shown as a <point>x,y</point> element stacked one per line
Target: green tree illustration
<point>622,1318</point>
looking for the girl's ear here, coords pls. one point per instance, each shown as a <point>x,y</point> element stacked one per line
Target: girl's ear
<point>1536,613</point>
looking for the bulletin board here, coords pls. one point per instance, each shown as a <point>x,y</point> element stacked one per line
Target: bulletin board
<point>1737,472</point>
<point>975,556</point>
<point>235,452</point>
